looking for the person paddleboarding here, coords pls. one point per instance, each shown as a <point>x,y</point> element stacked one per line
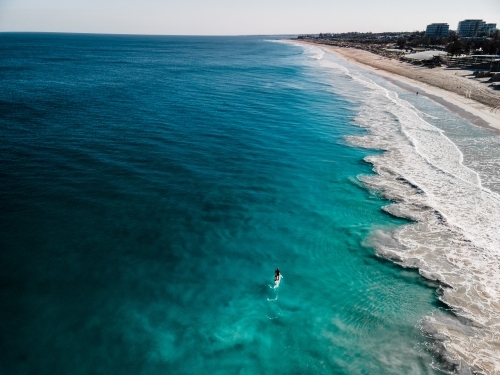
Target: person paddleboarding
<point>277,277</point>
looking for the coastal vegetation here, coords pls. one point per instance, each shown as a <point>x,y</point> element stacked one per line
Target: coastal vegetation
<point>416,40</point>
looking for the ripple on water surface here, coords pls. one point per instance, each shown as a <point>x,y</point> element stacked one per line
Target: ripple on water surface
<point>152,190</point>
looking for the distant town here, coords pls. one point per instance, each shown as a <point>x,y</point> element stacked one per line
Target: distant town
<point>474,42</point>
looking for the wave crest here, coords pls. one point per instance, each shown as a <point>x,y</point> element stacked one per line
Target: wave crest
<point>455,237</point>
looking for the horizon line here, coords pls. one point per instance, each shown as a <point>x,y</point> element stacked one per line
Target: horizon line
<point>198,35</point>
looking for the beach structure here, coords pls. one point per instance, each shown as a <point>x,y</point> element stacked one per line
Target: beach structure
<point>490,62</point>
<point>437,30</point>
<point>423,56</point>
<point>426,57</point>
<point>472,28</point>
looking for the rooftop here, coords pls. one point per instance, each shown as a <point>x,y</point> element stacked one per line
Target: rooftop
<point>423,56</point>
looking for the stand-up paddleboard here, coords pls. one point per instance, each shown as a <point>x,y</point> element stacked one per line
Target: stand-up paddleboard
<point>277,280</point>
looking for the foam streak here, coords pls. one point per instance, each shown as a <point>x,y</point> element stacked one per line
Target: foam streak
<point>456,235</point>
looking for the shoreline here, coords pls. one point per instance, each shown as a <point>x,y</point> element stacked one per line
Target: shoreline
<point>472,110</point>
<point>469,346</point>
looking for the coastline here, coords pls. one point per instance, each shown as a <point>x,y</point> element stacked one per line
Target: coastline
<point>412,78</point>
<point>470,343</point>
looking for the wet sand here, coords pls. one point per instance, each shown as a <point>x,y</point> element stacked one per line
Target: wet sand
<point>455,89</point>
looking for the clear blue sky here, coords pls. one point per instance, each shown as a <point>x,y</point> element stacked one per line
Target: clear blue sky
<point>236,17</point>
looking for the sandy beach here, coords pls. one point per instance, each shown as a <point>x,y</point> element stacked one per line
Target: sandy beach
<point>456,89</point>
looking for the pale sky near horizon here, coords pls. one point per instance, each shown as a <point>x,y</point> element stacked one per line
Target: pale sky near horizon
<point>237,17</point>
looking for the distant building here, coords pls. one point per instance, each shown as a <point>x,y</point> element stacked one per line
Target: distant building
<point>437,30</point>
<point>472,28</point>
<point>490,28</point>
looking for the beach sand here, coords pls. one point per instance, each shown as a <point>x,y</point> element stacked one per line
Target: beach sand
<point>455,89</point>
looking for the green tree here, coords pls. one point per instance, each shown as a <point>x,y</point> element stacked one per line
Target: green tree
<point>454,48</point>
<point>494,47</point>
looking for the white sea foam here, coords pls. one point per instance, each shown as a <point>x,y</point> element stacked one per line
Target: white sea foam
<point>313,52</point>
<point>455,238</point>
<point>318,55</point>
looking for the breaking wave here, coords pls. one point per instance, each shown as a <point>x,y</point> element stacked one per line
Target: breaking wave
<point>455,234</point>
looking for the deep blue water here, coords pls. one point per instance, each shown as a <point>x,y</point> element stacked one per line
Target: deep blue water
<point>150,186</point>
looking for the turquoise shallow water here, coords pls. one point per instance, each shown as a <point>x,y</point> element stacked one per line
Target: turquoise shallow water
<point>150,187</point>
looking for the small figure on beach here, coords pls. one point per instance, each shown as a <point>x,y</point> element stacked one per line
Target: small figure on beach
<point>417,92</point>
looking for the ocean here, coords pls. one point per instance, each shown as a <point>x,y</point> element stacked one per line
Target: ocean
<point>151,185</point>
